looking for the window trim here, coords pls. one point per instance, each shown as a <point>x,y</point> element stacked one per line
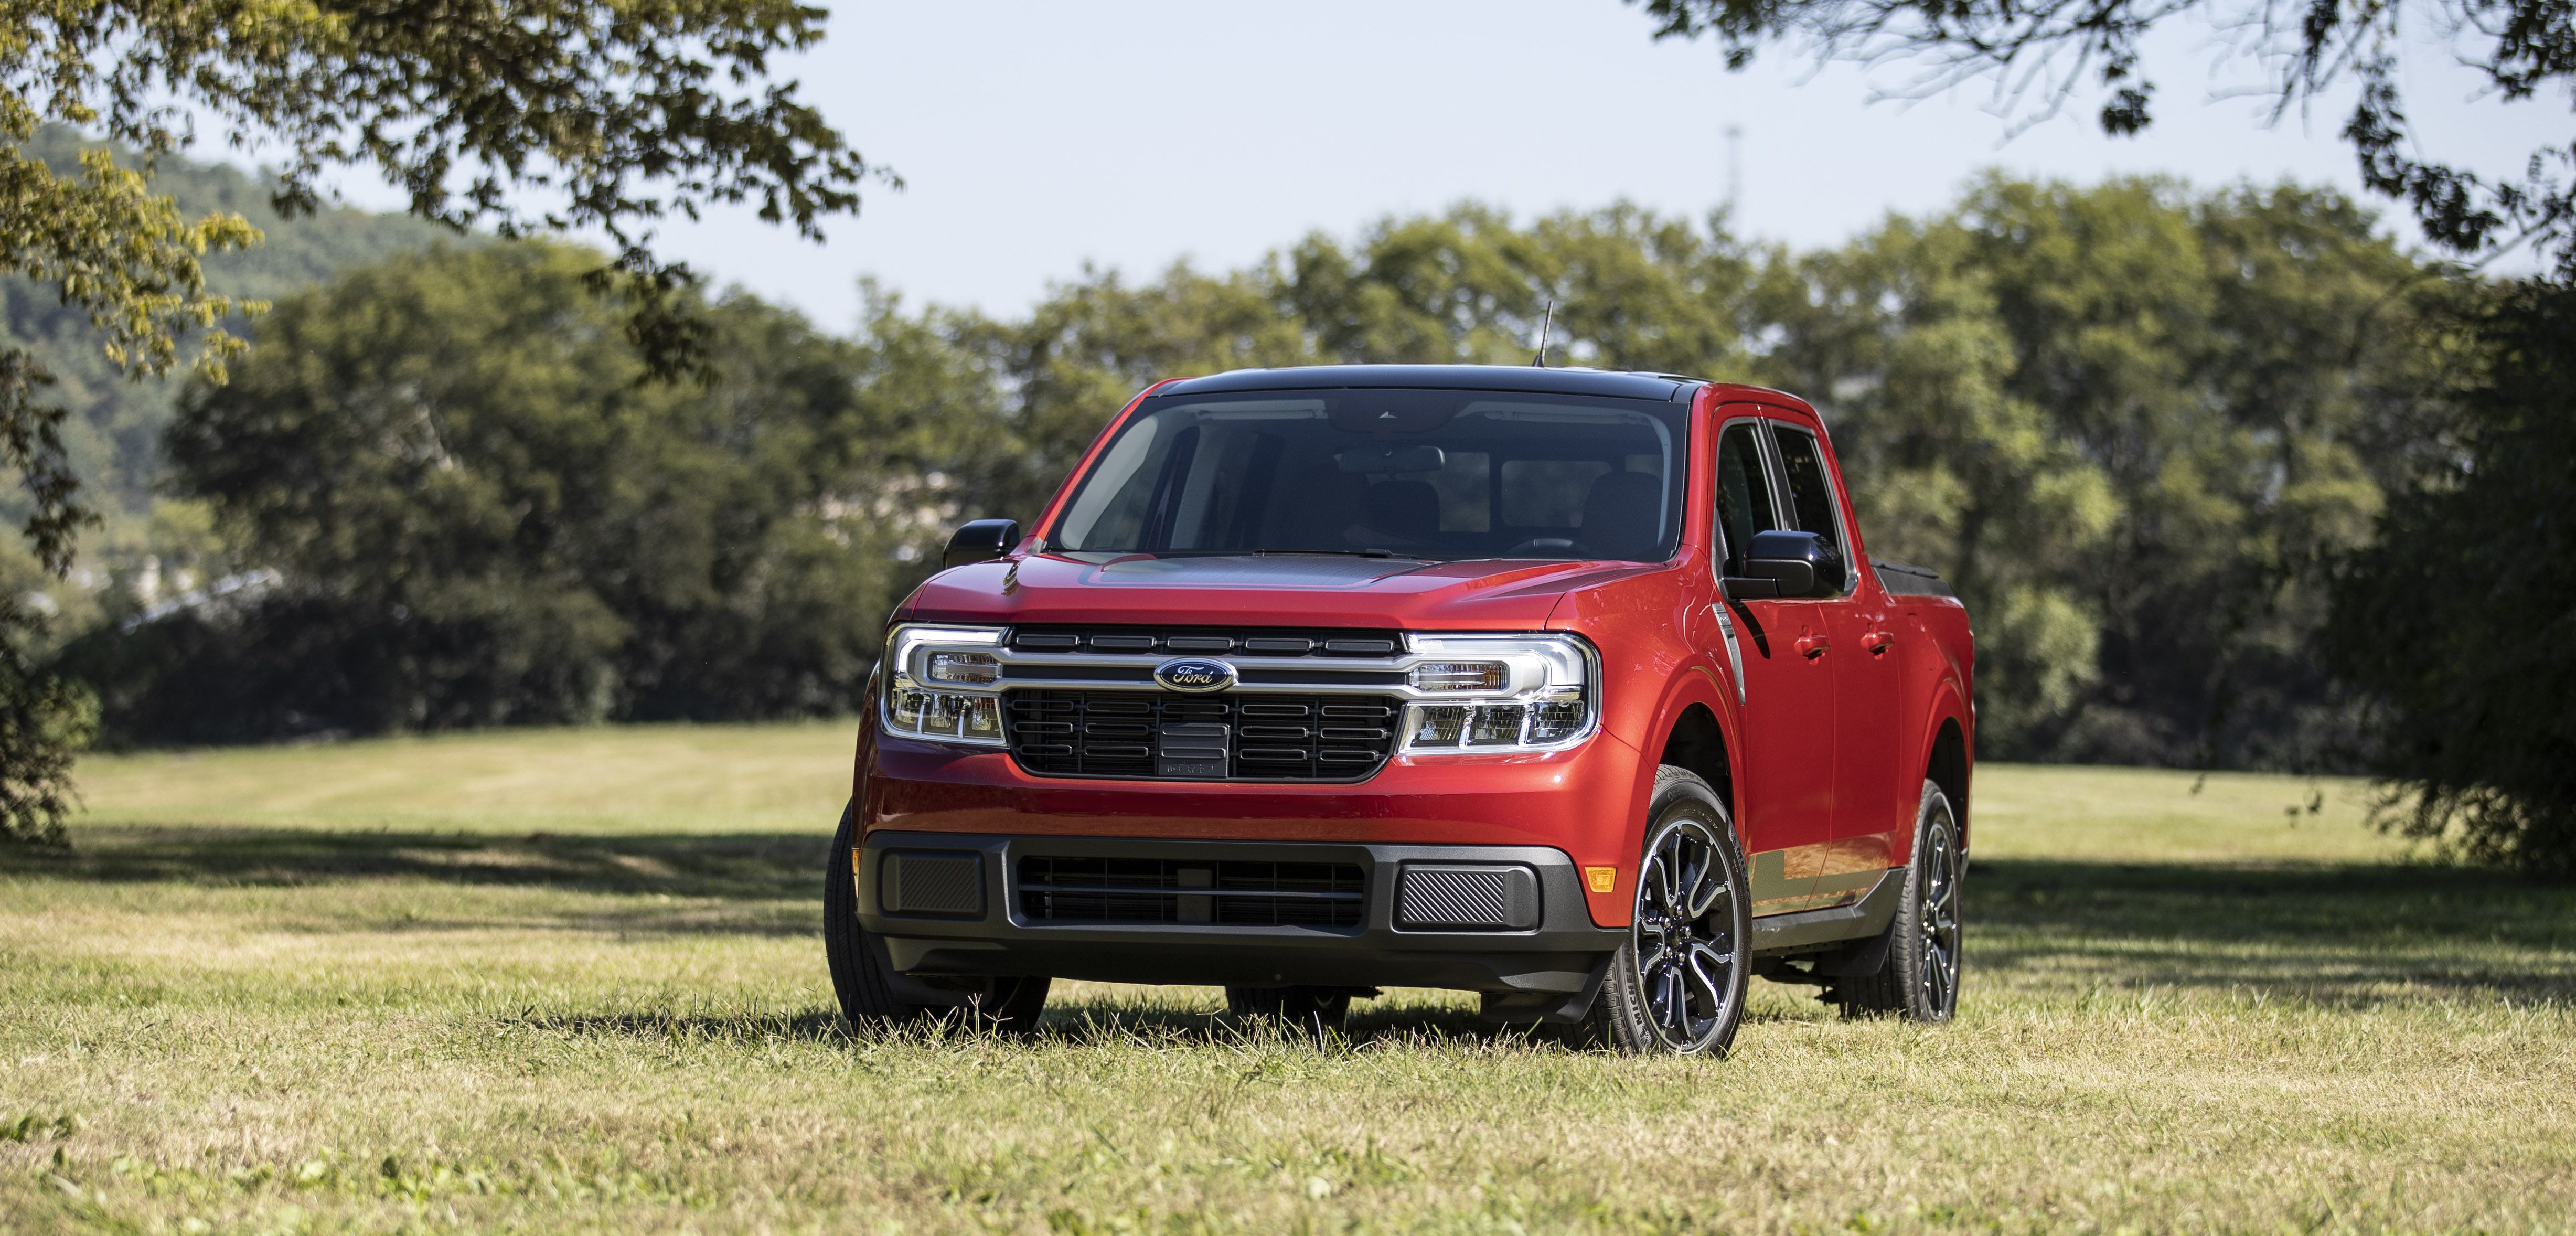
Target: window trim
<point>1764,448</point>
<point>1833,498</point>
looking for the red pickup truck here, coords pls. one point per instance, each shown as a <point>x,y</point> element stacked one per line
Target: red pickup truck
<point>1567,687</point>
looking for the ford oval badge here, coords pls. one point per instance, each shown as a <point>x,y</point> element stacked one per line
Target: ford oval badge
<point>1195,674</point>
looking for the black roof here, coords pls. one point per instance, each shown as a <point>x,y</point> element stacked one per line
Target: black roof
<point>1443,377</point>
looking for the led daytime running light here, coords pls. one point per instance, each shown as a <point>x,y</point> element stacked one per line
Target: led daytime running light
<point>1540,693</point>
<point>923,659</point>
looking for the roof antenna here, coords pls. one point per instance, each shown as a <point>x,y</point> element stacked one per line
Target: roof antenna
<point>1545,327</point>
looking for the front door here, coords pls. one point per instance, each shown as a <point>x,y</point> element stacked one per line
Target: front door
<point>1787,802</point>
<point>1866,683</point>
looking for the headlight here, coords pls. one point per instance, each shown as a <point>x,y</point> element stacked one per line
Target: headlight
<point>941,683</point>
<point>1516,693</point>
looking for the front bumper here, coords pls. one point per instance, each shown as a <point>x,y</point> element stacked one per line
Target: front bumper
<point>1531,971</point>
<point>1585,803</point>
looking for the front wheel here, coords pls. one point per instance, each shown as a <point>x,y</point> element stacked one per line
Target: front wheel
<point>869,989</point>
<point>1920,980</point>
<point>1677,985</point>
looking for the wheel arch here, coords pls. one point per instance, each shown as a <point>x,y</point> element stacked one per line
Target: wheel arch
<point>1946,765</point>
<point>1695,739</point>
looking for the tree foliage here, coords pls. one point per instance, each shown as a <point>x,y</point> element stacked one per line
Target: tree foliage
<point>2459,620</point>
<point>2129,421</point>
<point>518,115</point>
<point>2297,49</point>
<point>521,115</point>
<point>479,515</point>
<point>111,431</point>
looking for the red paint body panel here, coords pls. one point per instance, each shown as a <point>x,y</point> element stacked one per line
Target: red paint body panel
<point>1826,752</point>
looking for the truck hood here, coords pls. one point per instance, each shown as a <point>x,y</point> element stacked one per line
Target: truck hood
<point>1287,590</point>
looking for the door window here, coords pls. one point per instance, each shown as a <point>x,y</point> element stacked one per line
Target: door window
<point>1811,486</point>
<point>1743,492</point>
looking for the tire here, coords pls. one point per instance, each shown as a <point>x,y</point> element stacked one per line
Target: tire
<point>864,979</point>
<point>1677,986</point>
<point>1920,980</point>
<point>1312,1009</point>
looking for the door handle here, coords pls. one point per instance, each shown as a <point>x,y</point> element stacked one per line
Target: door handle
<point>1877,642</point>
<point>1813,646</point>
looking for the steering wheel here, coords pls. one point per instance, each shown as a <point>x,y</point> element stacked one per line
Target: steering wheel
<point>1550,544</point>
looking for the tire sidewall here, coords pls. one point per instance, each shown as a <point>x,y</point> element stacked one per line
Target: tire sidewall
<point>842,936</point>
<point>1908,953</point>
<point>1629,1026</point>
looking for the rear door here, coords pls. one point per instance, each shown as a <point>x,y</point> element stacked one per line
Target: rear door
<point>1861,650</point>
<point>1788,706</point>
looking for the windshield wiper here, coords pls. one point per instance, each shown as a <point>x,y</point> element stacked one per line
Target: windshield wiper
<point>1343,553</point>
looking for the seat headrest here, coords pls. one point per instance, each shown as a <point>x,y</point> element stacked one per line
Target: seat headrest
<point>1620,515</point>
<point>1405,508</point>
<point>1316,507</point>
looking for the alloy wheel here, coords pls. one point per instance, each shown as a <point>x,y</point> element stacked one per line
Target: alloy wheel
<point>1937,969</point>
<point>1684,932</point>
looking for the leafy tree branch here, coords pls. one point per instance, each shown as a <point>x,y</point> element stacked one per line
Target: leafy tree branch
<point>2041,55</point>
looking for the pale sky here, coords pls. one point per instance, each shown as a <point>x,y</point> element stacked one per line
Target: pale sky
<point>1037,137</point>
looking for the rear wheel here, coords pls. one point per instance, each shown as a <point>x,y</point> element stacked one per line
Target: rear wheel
<point>1920,981</point>
<point>1677,985</point>
<point>871,992</point>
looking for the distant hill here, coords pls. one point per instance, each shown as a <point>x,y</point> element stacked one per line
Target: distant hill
<point>114,431</point>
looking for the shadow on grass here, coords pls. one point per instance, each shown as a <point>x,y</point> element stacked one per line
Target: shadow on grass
<point>2336,933</point>
<point>751,866</point>
<point>2360,933</point>
<point>1078,1022</point>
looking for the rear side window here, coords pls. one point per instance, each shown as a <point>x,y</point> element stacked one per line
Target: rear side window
<point>1811,487</point>
<point>1743,492</point>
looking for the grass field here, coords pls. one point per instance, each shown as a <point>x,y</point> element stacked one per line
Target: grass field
<point>572,980</point>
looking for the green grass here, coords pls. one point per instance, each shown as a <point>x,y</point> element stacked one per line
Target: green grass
<point>571,980</point>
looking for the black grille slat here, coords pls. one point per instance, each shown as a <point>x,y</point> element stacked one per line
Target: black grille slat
<point>1119,734</point>
<point>1230,892</point>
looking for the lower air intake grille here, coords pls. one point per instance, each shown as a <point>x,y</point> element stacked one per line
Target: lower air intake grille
<point>944,883</point>
<point>1231,893</point>
<point>1252,736</point>
<point>1465,898</point>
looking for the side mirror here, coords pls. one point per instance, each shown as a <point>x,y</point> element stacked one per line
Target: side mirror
<point>1803,564</point>
<point>981,541</point>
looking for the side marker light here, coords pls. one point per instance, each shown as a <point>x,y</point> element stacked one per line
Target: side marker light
<point>1602,879</point>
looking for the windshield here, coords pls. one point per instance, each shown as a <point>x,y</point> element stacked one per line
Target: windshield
<point>1427,474</point>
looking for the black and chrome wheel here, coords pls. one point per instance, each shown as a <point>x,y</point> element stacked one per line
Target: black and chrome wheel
<point>1920,980</point>
<point>872,992</point>
<point>1677,986</point>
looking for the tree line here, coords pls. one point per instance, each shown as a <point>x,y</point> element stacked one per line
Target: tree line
<point>2131,421</point>
<point>2208,463</point>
